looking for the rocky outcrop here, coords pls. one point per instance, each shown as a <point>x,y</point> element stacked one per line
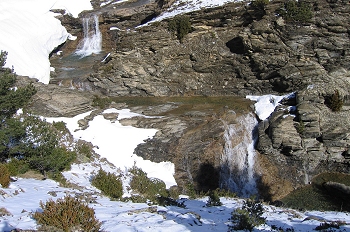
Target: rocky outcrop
<point>237,50</point>
<point>56,101</point>
<point>232,50</point>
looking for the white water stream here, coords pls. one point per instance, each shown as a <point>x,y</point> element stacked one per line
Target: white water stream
<point>238,159</point>
<point>92,42</point>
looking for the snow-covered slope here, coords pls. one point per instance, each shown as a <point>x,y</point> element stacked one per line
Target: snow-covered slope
<point>24,195</point>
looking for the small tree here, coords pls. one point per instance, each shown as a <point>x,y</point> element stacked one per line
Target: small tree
<point>296,11</point>
<point>108,183</point>
<point>214,199</point>
<point>180,25</point>
<point>4,176</point>
<point>334,102</point>
<point>247,217</point>
<point>11,99</point>
<point>150,188</point>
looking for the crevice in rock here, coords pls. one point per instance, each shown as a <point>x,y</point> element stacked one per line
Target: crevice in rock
<point>236,45</point>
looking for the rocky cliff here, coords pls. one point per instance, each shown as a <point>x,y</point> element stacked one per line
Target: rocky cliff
<point>239,49</point>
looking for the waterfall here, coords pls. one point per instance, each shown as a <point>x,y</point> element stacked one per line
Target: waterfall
<point>92,42</point>
<point>238,158</point>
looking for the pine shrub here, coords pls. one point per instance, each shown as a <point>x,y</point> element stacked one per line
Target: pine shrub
<point>150,188</point>
<point>17,166</point>
<point>334,102</point>
<point>67,214</point>
<point>214,199</point>
<point>109,184</point>
<point>4,176</point>
<point>181,26</point>
<point>101,102</point>
<point>298,11</point>
<point>247,217</point>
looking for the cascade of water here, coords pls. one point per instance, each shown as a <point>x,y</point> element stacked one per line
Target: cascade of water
<point>238,159</point>
<point>92,42</point>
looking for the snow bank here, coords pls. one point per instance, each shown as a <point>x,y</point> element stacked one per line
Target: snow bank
<point>116,143</point>
<point>179,7</point>
<point>29,32</point>
<point>266,104</point>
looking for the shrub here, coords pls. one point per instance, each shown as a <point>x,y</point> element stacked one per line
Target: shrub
<point>180,25</point>
<point>260,3</point>
<point>3,56</point>
<point>300,126</point>
<point>53,162</point>
<point>259,7</point>
<point>67,214</point>
<point>41,147</point>
<point>60,126</point>
<point>83,149</point>
<point>109,184</point>
<point>334,102</point>
<point>101,102</point>
<point>214,199</point>
<point>247,217</point>
<point>150,188</point>
<point>4,176</point>
<point>17,166</point>
<point>296,11</point>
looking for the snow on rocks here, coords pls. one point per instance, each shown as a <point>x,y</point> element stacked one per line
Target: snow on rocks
<point>30,32</point>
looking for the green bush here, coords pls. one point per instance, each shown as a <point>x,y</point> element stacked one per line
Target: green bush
<point>247,217</point>
<point>334,102</point>
<point>108,183</point>
<point>4,176</point>
<point>11,99</point>
<point>67,214</point>
<point>214,199</point>
<point>59,159</point>
<point>150,188</point>
<point>180,25</point>
<point>296,11</point>
<point>17,166</point>
<point>101,102</point>
<point>60,126</point>
<point>41,147</point>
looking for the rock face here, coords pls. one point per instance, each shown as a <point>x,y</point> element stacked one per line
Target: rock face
<point>238,50</point>
<point>232,50</point>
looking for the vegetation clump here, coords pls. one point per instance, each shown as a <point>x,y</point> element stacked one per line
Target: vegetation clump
<point>247,217</point>
<point>67,214</point>
<point>101,102</point>
<point>108,183</point>
<point>149,188</point>
<point>320,194</point>
<point>180,26</point>
<point>335,101</point>
<point>26,141</point>
<point>259,6</point>
<point>297,11</point>
<point>214,199</point>
<point>4,176</point>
